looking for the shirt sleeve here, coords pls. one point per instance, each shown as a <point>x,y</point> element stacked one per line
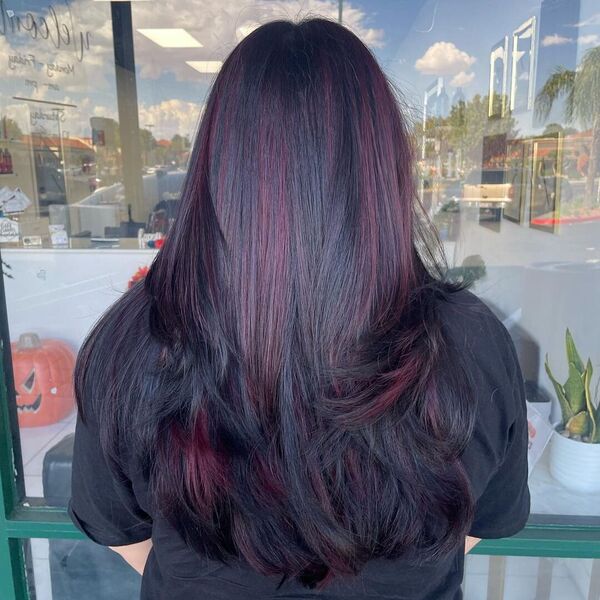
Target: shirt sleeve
<point>103,505</point>
<point>503,508</point>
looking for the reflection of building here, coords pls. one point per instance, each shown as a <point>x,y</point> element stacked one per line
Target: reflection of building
<point>458,96</point>
<point>436,102</point>
<point>105,131</point>
<point>442,104</point>
<point>498,79</point>
<point>512,71</point>
<point>523,66</point>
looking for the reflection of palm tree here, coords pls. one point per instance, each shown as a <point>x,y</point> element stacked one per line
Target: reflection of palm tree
<point>581,89</point>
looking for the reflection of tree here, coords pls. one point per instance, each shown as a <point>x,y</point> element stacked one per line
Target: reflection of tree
<point>469,124</point>
<point>581,89</point>
<point>179,143</point>
<point>466,126</point>
<point>148,144</point>
<point>108,156</point>
<point>10,129</point>
<point>553,128</point>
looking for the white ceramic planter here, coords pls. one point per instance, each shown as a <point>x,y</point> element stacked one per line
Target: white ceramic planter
<point>576,465</point>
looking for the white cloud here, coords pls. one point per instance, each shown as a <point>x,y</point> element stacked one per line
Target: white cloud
<point>590,39</point>
<point>353,19</point>
<point>444,58</point>
<point>462,79</point>
<point>105,111</point>
<point>170,117</point>
<point>593,20</point>
<point>555,40</point>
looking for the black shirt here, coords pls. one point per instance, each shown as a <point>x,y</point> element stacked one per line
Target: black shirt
<point>114,508</point>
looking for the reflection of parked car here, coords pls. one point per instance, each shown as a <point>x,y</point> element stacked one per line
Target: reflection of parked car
<point>488,186</point>
<point>451,189</point>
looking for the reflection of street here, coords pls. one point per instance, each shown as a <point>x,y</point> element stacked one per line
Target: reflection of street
<point>530,181</point>
<point>516,244</point>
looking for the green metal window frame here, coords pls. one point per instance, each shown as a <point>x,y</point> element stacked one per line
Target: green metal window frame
<point>22,517</point>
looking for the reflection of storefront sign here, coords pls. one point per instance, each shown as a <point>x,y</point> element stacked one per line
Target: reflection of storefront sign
<point>25,61</point>
<point>59,31</point>
<point>56,114</point>
<point>9,230</point>
<point>32,83</point>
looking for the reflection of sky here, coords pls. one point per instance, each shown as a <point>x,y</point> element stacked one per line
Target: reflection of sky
<point>473,26</point>
<point>415,40</point>
<point>410,27</point>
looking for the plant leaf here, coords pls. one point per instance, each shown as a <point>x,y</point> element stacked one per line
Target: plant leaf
<point>572,354</point>
<point>574,389</point>
<point>593,411</point>
<point>566,411</point>
<point>579,424</point>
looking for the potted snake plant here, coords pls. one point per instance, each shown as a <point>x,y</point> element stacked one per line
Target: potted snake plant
<point>575,444</point>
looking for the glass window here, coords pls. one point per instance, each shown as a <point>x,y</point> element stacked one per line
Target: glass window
<point>100,103</point>
<point>75,569</point>
<point>507,129</point>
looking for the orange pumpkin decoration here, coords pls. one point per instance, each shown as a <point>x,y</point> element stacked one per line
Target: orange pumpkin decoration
<point>43,373</point>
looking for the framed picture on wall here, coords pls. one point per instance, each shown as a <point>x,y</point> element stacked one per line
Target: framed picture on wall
<point>518,173</point>
<point>548,182</point>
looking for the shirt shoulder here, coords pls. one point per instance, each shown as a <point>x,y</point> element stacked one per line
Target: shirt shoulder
<point>490,361</point>
<point>482,341</point>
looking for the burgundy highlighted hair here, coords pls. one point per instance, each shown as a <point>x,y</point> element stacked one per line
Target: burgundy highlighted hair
<point>282,369</point>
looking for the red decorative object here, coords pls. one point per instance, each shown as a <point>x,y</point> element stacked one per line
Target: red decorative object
<point>157,243</point>
<point>43,372</point>
<point>139,274</point>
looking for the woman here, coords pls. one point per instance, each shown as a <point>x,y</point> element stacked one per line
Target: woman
<point>294,402</point>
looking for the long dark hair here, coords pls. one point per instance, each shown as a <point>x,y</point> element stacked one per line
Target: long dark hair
<point>282,370</point>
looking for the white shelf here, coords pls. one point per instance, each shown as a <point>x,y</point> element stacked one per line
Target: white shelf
<point>550,497</point>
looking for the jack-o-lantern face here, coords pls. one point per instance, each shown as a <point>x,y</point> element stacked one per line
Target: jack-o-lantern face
<point>43,374</point>
<point>28,386</point>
